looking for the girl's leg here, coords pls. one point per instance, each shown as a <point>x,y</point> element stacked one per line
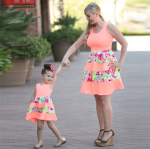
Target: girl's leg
<point>54,129</point>
<point>40,125</point>
<point>108,114</point>
<point>99,114</point>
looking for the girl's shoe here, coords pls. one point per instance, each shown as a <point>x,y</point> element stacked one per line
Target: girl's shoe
<point>38,145</point>
<point>60,142</point>
<point>109,141</point>
<point>98,139</point>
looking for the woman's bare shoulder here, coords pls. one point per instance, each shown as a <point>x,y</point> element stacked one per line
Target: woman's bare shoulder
<point>111,27</point>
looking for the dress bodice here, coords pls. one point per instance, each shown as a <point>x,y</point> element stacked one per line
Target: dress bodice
<point>100,41</point>
<point>43,90</point>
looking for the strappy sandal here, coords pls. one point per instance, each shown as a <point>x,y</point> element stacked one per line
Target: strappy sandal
<point>109,141</point>
<point>95,141</point>
<point>60,142</point>
<point>38,145</point>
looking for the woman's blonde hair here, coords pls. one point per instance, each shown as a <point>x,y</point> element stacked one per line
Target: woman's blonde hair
<point>93,8</point>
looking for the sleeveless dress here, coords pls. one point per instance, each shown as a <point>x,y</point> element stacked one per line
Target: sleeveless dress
<point>97,77</point>
<point>41,107</point>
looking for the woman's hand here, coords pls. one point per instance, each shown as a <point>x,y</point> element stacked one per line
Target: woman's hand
<point>114,65</point>
<point>66,62</point>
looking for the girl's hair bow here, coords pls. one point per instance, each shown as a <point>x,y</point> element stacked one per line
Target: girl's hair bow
<point>52,68</point>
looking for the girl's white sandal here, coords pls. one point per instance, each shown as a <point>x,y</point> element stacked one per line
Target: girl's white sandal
<point>38,145</point>
<point>60,142</point>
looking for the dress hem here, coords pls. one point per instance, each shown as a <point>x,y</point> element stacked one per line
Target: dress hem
<point>101,88</point>
<point>100,94</point>
<point>32,117</point>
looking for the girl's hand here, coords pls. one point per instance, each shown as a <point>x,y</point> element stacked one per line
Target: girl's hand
<point>114,65</point>
<point>66,62</point>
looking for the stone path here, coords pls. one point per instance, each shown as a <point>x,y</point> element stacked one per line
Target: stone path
<point>77,119</point>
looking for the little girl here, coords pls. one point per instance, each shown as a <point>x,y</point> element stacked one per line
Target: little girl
<point>41,108</point>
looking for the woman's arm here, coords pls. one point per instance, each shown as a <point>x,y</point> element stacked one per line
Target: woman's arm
<point>120,38</point>
<point>57,74</point>
<point>74,47</point>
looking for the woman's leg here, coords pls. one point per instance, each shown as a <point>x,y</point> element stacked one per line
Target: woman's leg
<point>99,114</point>
<point>54,129</point>
<point>108,114</point>
<point>40,125</point>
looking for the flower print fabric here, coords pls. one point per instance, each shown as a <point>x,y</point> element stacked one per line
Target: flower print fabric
<point>101,76</point>
<point>41,110</point>
<point>42,106</point>
<point>46,99</point>
<point>98,78</point>
<point>101,57</point>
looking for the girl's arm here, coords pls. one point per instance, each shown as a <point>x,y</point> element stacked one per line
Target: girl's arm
<point>57,74</point>
<point>74,47</point>
<point>120,38</point>
<point>33,95</point>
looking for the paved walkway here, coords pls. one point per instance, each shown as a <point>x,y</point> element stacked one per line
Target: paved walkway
<point>77,119</point>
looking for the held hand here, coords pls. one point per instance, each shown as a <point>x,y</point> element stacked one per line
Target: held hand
<point>64,65</point>
<point>65,62</point>
<point>114,65</point>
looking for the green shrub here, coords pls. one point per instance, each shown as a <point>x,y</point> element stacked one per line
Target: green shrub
<point>34,47</point>
<point>5,60</point>
<point>64,34</point>
<point>66,21</point>
<point>13,23</point>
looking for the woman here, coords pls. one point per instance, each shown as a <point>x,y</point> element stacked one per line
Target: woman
<point>102,71</point>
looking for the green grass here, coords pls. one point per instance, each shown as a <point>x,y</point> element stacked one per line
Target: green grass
<point>136,34</point>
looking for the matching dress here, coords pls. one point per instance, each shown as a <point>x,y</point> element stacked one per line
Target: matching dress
<point>98,78</point>
<point>42,106</point>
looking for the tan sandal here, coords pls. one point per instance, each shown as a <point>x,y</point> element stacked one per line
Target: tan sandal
<point>60,142</point>
<point>38,145</point>
<point>95,141</point>
<point>109,141</point>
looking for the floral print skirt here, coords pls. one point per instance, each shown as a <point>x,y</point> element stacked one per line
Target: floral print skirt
<point>98,78</point>
<point>41,108</point>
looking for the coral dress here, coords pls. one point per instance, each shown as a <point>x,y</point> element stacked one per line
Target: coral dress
<point>97,78</point>
<point>41,107</point>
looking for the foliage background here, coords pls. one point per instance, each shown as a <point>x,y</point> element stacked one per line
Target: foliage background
<point>131,27</point>
<point>76,8</point>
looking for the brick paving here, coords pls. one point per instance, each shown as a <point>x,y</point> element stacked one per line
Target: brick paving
<point>77,119</point>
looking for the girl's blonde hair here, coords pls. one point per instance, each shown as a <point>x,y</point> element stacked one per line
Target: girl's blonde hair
<point>93,8</point>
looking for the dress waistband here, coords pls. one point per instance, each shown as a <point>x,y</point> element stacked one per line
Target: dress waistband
<point>100,50</point>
